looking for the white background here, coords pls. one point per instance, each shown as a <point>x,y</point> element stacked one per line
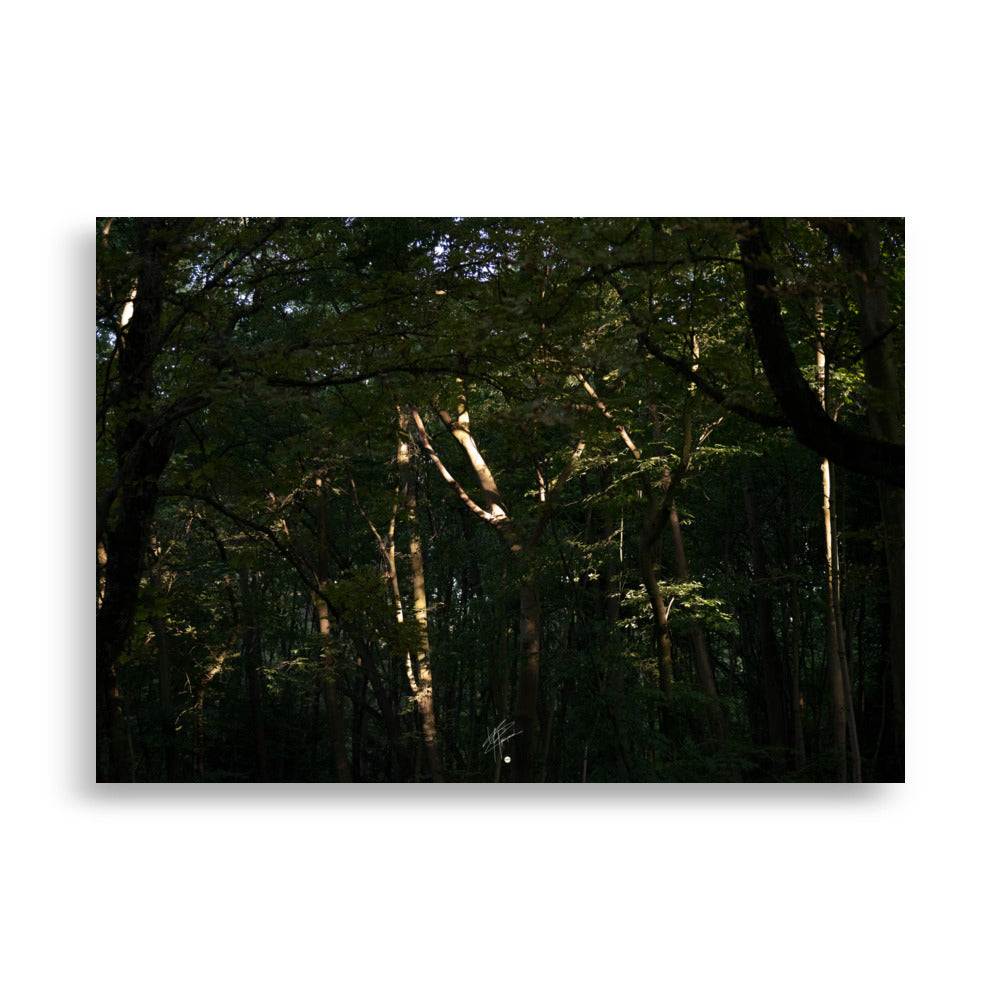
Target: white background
<point>527,107</point>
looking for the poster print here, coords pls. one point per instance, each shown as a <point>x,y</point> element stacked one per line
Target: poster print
<point>500,500</point>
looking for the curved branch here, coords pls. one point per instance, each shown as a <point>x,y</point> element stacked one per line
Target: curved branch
<point>861,453</point>
<point>711,389</point>
<point>425,442</point>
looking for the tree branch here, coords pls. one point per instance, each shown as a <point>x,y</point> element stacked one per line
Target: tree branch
<point>812,425</point>
<point>425,443</point>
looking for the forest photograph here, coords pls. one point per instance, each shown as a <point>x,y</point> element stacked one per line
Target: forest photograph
<point>500,500</point>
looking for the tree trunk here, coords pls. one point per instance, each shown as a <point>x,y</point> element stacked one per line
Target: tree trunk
<point>885,410</point>
<point>878,458</point>
<point>702,659</point>
<point>329,685</point>
<point>838,617</point>
<point>252,665</point>
<point>171,758</point>
<point>798,703</point>
<point>648,538</point>
<point>199,705</point>
<point>167,726</point>
<point>390,717</point>
<point>526,698</point>
<point>144,442</point>
<point>611,608</point>
<point>332,700</point>
<point>838,708</point>
<point>421,683</point>
<point>142,451</point>
<point>774,691</point>
<point>841,703</point>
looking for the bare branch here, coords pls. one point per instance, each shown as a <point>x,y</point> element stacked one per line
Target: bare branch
<point>618,427</point>
<point>425,443</point>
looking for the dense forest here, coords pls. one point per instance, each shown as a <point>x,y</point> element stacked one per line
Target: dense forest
<point>500,500</point>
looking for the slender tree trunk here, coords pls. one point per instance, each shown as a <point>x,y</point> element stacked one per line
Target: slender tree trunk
<point>798,703</point>
<point>199,704</point>
<point>859,241</point>
<point>167,726</point>
<point>418,648</point>
<point>219,659</point>
<point>611,608</point>
<point>499,664</point>
<point>767,641</point>
<point>421,681</point>
<point>838,709</point>
<point>252,665</point>
<point>390,717</point>
<point>838,617</point>
<point>332,700</point>
<point>526,698</point>
<point>885,410</point>
<point>702,659</point>
<point>841,704</point>
<point>649,535</point>
<point>171,759</point>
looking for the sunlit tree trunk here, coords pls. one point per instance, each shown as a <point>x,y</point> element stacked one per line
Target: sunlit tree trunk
<point>421,682</point>
<point>845,665</point>
<point>841,704</point>
<point>838,708</point>
<point>416,659</point>
<point>859,240</point>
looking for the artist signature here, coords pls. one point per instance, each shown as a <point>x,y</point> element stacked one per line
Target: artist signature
<point>498,737</point>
